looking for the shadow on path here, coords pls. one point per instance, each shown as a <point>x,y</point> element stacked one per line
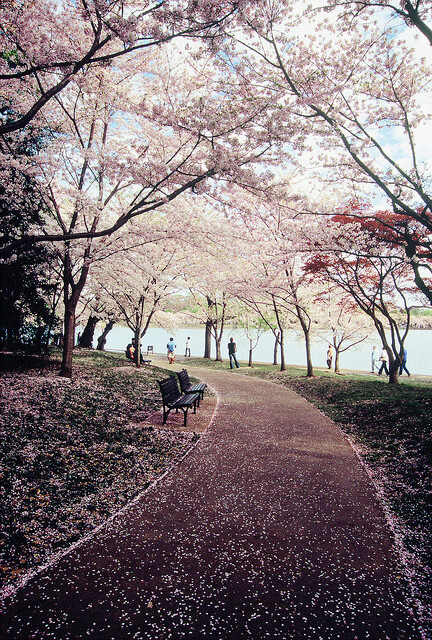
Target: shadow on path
<point>269,528</point>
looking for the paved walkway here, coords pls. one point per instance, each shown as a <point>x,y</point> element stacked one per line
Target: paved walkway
<point>268,529</point>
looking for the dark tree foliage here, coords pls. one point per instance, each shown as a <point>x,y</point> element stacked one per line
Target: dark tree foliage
<point>26,315</point>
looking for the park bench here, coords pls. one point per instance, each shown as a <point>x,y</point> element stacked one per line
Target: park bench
<point>186,385</point>
<point>173,399</point>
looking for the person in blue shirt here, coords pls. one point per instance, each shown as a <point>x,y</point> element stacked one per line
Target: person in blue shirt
<point>403,366</point>
<point>171,347</point>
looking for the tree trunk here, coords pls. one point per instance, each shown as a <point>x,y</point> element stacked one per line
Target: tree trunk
<point>305,325</point>
<point>71,295</point>
<point>250,352</point>
<point>393,371</point>
<point>86,339</point>
<point>308,356</point>
<point>336,367</point>
<point>137,352</point>
<point>207,341</point>
<point>68,339</point>
<point>218,350</point>
<point>101,342</point>
<point>139,321</point>
<point>275,350</point>
<point>282,351</point>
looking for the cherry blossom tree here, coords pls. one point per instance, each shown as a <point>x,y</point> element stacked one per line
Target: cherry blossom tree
<point>376,277</point>
<point>253,326</point>
<point>213,309</point>
<point>266,308</point>
<point>45,46</point>
<point>414,14</point>
<point>292,293</point>
<point>101,341</point>
<point>347,325</point>
<point>113,160</point>
<point>350,96</point>
<point>139,281</point>
<point>85,339</point>
<point>272,278</point>
<point>177,89</point>
<point>97,307</point>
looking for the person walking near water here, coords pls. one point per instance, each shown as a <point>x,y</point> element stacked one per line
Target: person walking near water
<point>403,366</point>
<point>375,357</point>
<point>232,348</point>
<point>384,362</point>
<point>171,347</point>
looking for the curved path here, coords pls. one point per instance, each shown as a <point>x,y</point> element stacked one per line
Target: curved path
<point>268,529</point>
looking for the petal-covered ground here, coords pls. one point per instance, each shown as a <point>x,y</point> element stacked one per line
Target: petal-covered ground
<point>269,528</point>
<point>75,451</point>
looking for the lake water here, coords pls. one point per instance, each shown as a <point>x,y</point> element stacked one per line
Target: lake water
<point>418,344</point>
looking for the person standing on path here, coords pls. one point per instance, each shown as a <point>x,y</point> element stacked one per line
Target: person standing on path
<point>171,347</point>
<point>232,348</point>
<point>375,357</point>
<point>403,366</point>
<point>187,349</point>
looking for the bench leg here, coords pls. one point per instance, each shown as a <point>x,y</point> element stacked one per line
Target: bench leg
<point>185,416</point>
<point>165,415</point>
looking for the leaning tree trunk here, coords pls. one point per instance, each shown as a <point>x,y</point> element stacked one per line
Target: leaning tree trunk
<point>86,338</point>
<point>101,341</point>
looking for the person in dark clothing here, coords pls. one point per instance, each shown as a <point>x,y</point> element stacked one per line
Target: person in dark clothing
<point>232,348</point>
<point>403,366</point>
<point>329,356</point>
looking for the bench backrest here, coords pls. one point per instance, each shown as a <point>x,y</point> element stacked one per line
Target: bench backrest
<point>169,390</point>
<point>184,379</point>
